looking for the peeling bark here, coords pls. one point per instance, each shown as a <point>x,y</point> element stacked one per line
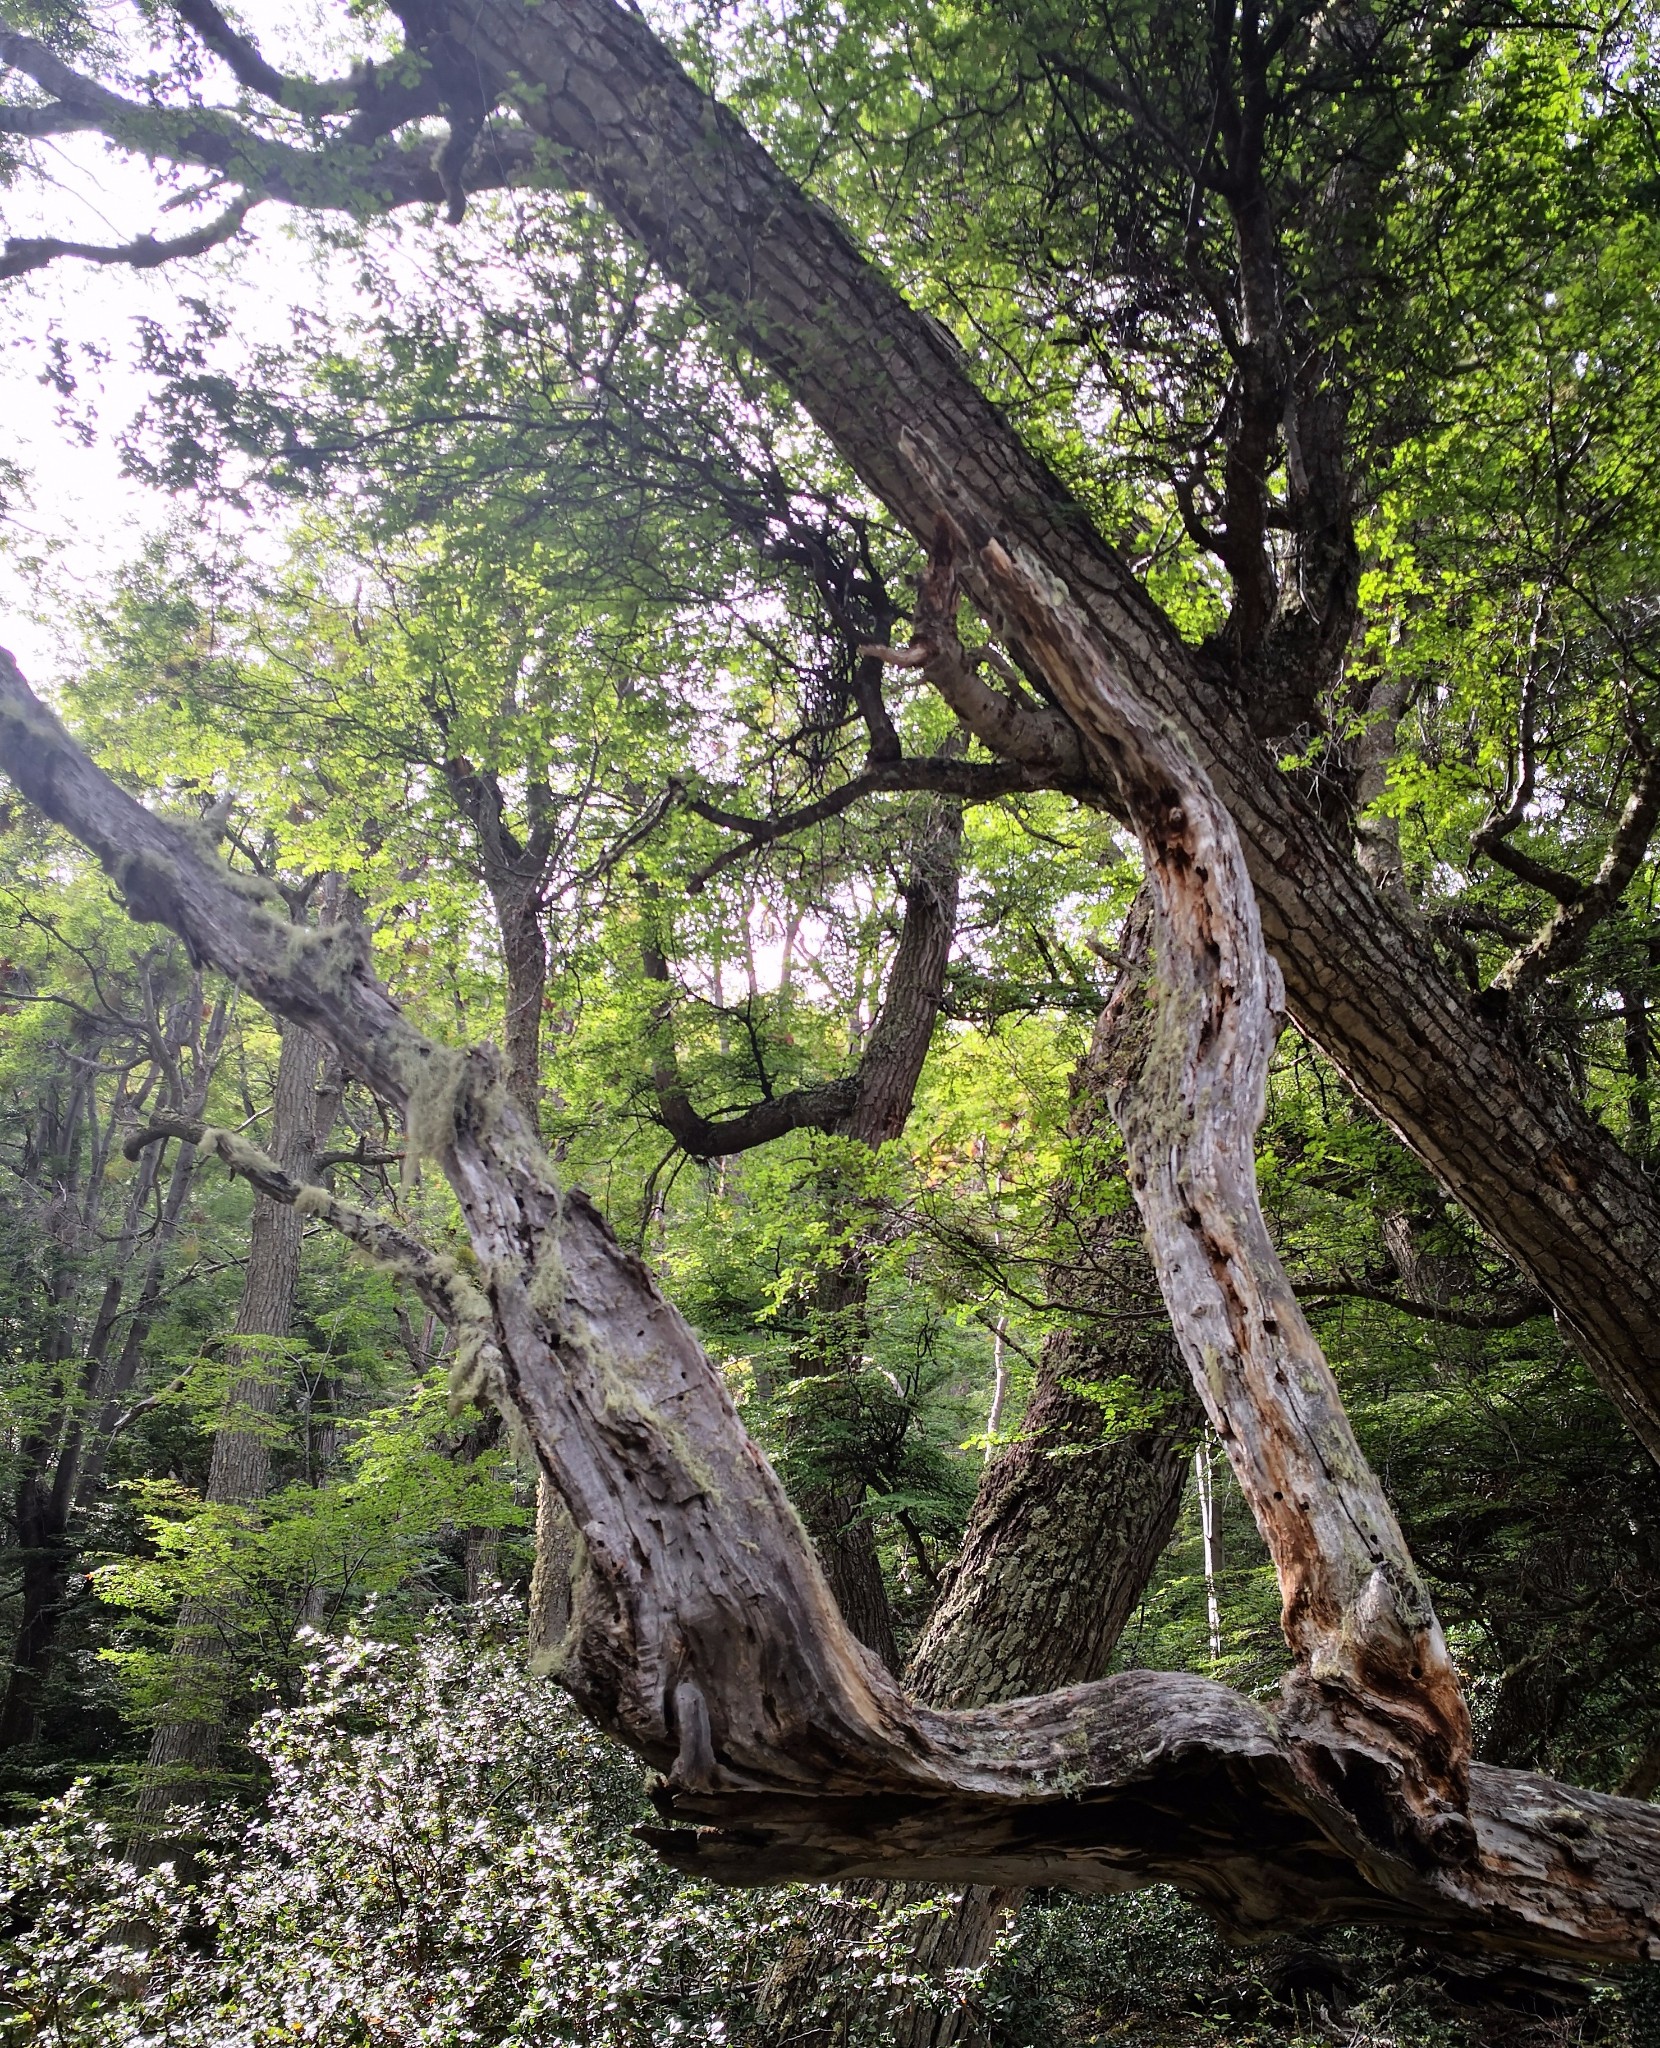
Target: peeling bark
<point>704,1634</point>
<point>1189,1035</point>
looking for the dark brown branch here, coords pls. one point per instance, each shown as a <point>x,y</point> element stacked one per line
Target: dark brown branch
<point>973,782</point>
<point>873,1101</point>
<point>1562,939</point>
<point>1326,1292</point>
<point>1537,874</point>
<point>361,1154</point>
<point>145,252</point>
<point>353,172</point>
<point>247,66</point>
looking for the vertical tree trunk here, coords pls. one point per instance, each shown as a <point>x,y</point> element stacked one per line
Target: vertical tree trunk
<point>889,1071</point>
<point>184,1749</point>
<point>1211,1539</point>
<point>870,1107</point>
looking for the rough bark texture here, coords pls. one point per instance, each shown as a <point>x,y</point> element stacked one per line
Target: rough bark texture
<point>777,272</point>
<point>184,1748</point>
<point>1066,1528</point>
<point>1070,1519</point>
<point>704,1634</point>
<point>1188,1041</point>
<point>514,868</point>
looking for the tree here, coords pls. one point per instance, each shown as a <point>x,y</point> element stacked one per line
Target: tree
<point>119,1036</point>
<point>185,1747</point>
<point>776,273</point>
<point>1375,1730</point>
<point>1367,1776</point>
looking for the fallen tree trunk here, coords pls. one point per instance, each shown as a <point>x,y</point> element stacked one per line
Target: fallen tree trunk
<point>703,1633</point>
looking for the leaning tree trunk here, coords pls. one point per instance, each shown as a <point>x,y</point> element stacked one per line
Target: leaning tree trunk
<point>777,272</point>
<point>704,1634</point>
<point>1068,1524</point>
<point>184,1748</point>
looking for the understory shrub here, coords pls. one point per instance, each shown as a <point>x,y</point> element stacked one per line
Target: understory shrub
<point>445,1857</point>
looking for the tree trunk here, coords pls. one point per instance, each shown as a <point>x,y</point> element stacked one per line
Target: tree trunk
<point>1071,1518</point>
<point>60,1465</point>
<point>524,947</point>
<point>184,1748</point>
<point>704,1634</point>
<point>774,270</point>
<point>869,1106</point>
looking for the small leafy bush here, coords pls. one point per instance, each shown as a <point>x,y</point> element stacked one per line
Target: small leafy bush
<point>445,1858</point>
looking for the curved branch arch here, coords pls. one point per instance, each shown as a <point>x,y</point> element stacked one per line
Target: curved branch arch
<point>703,1633</point>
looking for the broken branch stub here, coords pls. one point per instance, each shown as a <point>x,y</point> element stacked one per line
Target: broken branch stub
<point>1191,1032</point>
<point>703,1634</point>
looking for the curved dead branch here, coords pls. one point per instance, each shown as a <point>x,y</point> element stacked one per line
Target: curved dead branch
<point>703,1633</point>
<point>1191,1032</point>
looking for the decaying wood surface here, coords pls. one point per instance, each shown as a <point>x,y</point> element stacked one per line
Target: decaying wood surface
<point>703,1634</point>
<point>1190,1035</point>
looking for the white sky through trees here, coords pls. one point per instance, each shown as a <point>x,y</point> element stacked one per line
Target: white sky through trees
<point>78,518</point>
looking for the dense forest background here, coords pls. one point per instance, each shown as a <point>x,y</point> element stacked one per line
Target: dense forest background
<point>511,620</point>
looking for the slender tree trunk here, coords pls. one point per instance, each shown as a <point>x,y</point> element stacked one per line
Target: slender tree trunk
<point>60,1466</point>
<point>890,1068</point>
<point>524,946</point>
<point>184,1749</point>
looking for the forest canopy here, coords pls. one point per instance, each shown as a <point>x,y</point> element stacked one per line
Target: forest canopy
<point>828,1014</point>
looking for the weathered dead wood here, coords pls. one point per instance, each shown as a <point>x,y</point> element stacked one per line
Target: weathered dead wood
<point>703,1633</point>
<point>1191,1035</point>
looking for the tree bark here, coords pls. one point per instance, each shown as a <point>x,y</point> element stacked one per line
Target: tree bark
<point>704,1634</point>
<point>779,274</point>
<point>1071,1518</point>
<point>870,1106</point>
<point>184,1747</point>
